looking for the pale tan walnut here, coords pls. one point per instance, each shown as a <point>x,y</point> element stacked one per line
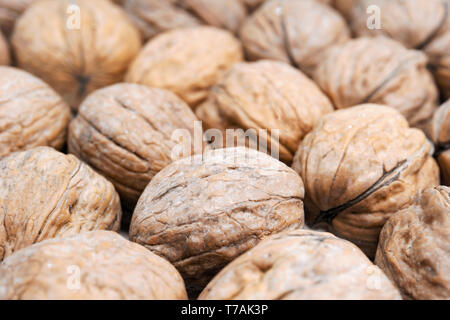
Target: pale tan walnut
<point>440,134</point>
<point>31,114</point>
<point>75,46</point>
<point>202,212</point>
<point>267,95</point>
<point>414,247</point>
<point>379,70</point>
<point>156,16</point>
<point>127,132</point>
<point>46,194</point>
<point>298,32</point>
<point>4,51</point>
<point>301,265</point>
<point>92,265</point>
<point>360,166</point>
<point>186,61</point>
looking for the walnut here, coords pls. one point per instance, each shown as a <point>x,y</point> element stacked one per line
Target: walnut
<point>125,132</point>
<point>345,7</point>
<point>202,212</point>
<point>361,165</point>
<point>414,247</point>
<point>156,16</point>
<point>294,31</point>
<point>4,51</point>
<point>266,95</point>
<point>379,70</point>
<point>46,194</point>
<point>301,265</point>
<point>10,10</point>
<point>75,59</point>
<point>31,114</point>
<point>91,265</point>
<point>440,134</point>
<point>186,61</point>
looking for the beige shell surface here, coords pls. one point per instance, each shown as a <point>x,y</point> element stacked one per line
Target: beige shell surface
<point>5,58</point>
<point>127,133</point>
<point>301,265</point>
<point>267,95</point>
<point>414,247</point>
<point>361,165</point>
<point>32,114</point>
<point>91,265</point>
<point>75,46</point>
<point>46,194</point>
<point>202,212</point>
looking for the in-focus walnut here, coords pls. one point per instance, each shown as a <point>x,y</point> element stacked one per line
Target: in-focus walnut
<point>108,267</point>
<point>32,114</point>
<point>414,247</point>
<point>202,212</point>
<point>186,61</point>
<point>440,134</point>
<point>75,53</point>
<point>156,16</point>
<point>4,51</point>
<point>361,165</point>
<point>301,265</point>
<point>294,31</point>
<point>46,194</point>
<point>125,132</point>
<point>419,24</point>
<point>379,70</point>
<point>266,95</point>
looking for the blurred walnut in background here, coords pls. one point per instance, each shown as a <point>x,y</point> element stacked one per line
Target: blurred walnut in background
<point>440,134</point>
<point>414,247</point>
<point>360,166</point>
<point>4,51</point>
<point>10,10</point>
<point>75,54</point>
<point>379,70</point>
<point>265,95</point>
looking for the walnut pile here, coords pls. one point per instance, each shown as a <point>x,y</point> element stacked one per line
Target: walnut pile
<point>294,31</point>
<point>266,95</point>
<point>360,166</point>
<point>301,265</point>
<point>4,51</point>
<point>91,265</point>
<point>414,247</point>
<point>186,61</point>
<point>379,70</point>
<point>75,54</point>
<point>125,132</point>
<point>46,194</point>
<point>440,134</point>
<point>202,212</point>
<point>31,114</point>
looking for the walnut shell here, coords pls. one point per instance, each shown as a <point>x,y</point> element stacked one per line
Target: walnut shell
<point>379,70</point>
<point>156,16</point>
<point>106,266</point>
<point>295,31</point>
<point>10,10</point>
<point>32,114</point>
<point>440,134</point>
<point>414,248</point>
<point>125,132</point>
<point>75,61</point>
<point>186,61</point>
<point>344,7</point>
<point>361,165</point>
<point>301,265</point>
<point>4,51</point>
<point>202,212</point>
<point>266,95</point>
<point>46,194</point>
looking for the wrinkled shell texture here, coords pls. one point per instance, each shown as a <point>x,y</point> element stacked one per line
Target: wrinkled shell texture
<point>46,194</point>
<point>4,51</point>
<point>414,248</point>
<point>379,70</point>
<point>75,61</point>
<point>10,10</point>
<point>201,213</point>
<point>110,267</point>
<point>294,31</point>
<point>125,132</point>
<point>420,24</point>
<point>299,265</point>
<point>155,16</point>
<point>440,133</point>
<point>266,95</point>
<point>31,114</point>
<point>361,165</point>
<point>186,61</point>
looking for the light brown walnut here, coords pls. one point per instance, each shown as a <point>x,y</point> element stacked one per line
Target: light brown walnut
<point>440,134</point>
